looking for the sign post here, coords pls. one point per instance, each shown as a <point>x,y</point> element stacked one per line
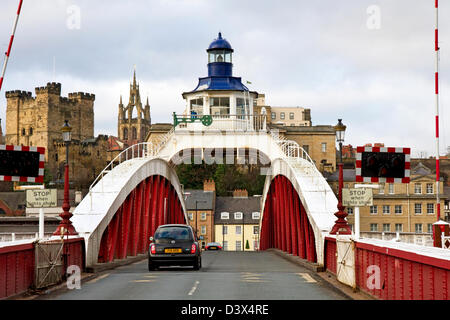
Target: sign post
<point>360,196</point>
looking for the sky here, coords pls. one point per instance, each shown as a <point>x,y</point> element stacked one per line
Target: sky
<point>369,62</point>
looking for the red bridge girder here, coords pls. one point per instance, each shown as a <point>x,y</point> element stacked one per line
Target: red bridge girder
<point>153,202</point>
<point>285,225</point>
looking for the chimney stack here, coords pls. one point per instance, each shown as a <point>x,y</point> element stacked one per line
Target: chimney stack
<point>240,193</point>
<point>209,185</point>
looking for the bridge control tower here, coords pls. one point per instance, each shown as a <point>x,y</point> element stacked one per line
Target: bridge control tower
<point>220,95</point>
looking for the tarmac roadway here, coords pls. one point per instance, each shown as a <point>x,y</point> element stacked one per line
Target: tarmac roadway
<point>223,276</point>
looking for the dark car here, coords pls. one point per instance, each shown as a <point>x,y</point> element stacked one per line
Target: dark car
<point>174,244</point>
<point>213,246</point>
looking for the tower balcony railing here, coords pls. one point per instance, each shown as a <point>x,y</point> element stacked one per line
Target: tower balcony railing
<point>226,122</point>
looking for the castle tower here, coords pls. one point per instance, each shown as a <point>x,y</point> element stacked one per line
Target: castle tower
<point>134,119</point>
<point>36,121</point>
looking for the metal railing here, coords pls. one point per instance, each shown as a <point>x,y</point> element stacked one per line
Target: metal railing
<point>139,150</point>
<point>234,122</point>
<point>291,149</point>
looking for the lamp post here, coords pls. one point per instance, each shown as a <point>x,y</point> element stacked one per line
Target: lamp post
<point>340,225</point>
<point>196,213</point>
<point>66,227</point>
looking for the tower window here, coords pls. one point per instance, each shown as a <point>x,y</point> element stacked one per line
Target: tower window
<point>134,133</point>
<point>220,106</point>
<point>31,131</point>
<point>23,132</point>
<point>197,106</point>
<point>125,133</point>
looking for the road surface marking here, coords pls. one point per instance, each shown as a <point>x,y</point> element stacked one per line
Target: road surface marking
<point>99,278</point>
<point>193,288</point>
<point>142,281</point>
<point>251,277</point>
<point>307,277</point>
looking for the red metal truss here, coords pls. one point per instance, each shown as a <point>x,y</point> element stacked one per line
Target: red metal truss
<point>152,203</point>
<point>285,225</point>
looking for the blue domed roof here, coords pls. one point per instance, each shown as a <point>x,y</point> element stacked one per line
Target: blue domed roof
<point>220,43</point>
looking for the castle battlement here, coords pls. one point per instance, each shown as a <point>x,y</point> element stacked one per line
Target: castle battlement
<point>81,96</point>
<point>50,88</point>
<point>18,94</point>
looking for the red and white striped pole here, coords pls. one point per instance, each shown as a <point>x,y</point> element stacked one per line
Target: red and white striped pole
<point>7,53</point>
<point>436,48</point>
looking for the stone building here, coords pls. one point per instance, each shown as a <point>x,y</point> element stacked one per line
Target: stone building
<point>37,121</point>
<point>200,206</point>
<point>133,120</point>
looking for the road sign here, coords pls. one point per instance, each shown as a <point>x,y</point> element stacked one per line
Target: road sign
<point>382,164</point>
<point>21,163</point>
<point>44,198</point>
<point>360,197</point>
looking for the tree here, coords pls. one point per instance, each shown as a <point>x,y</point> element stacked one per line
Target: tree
<point>247,245</point>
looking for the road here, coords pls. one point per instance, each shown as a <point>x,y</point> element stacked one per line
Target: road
<point>223,276</point>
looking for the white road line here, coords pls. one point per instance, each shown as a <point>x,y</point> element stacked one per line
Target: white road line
<point>193,288</point>
<point>307,277</point>
<point>143,281</point>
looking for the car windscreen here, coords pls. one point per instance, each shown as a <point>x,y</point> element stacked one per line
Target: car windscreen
<point>173,233</point>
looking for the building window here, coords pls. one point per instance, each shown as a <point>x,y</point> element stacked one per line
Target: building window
<point>418,228</point>
<point>203,229</point>
<point>418,208</point>
<point>324,147</point>
<point>224,229</point>
<point>238,229</point>
<point>306,148</point>
<point>238,215</point>
<point>291,116</point>
<point>238,246</point>
<point>386,227</point>
<point>56,157</point>
<point>191,216</point>
<point>255,215</point>
<point>430,228</point>
<point>381,189</point>
<point>386,209</point>
<point>255,229</point>
<point>430,208</point>
<point>31,131</point>
<point>203,216</point>
<point>225,245</point>
<point>196,107</point>
<point>398,209</point>
<point>417,188</point>
<point>125,134</point>
<point>274,115</point>
<point>391,188</point>
<point>23,132</point>
<point>134,133</point>
<point>220,106</point>
<point>240,106</point>
<point>429,188</point>
<point>398,227</point>
<point>225,215</point>
<point>373,209</point>
<point>350,210</point>
<point>282,115</point>
<point>373,227</point>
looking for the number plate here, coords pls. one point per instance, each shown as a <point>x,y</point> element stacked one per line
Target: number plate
<point>172,250</point>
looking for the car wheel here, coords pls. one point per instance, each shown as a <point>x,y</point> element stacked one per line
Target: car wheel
<point>197,264</point>
<point>151,266</point>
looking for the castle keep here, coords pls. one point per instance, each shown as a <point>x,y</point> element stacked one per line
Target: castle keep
<point>37,121</point>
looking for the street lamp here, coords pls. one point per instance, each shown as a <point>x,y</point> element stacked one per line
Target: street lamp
<point>66,227</point>
<point>340,225</point>
<point>196,213</point>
